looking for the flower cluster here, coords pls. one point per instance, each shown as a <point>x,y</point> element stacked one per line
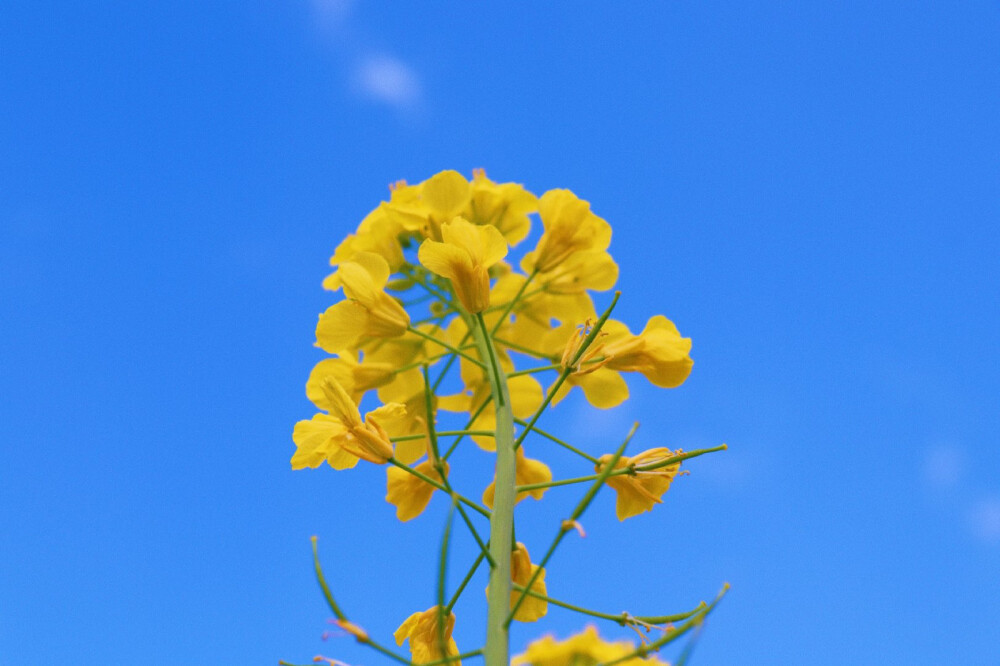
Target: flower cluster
<point>426,286</point>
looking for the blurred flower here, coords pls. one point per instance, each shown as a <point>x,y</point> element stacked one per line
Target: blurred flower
<point>422,630</point>
<point>584,649</point>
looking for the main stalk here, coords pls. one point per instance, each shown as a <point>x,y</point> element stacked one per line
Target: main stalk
<point>502,520</point>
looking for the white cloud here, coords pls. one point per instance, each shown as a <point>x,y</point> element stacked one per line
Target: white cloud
<point>944,467</point>
<point>332,14</point>
<point>984,519</point>
<point>390,81</point>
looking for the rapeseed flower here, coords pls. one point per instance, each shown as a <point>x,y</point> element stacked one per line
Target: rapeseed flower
<point>425,207</point>
<point>659,352</point>
<point>525,397</point>
<point>368,313</point>
<point>639,492</point>
<point>409,493</point>
<point>422,630</point>
<point>341,437</point>
<point>527,472</point>
<point>464,257</point>
<point>356,378</point>
<point>532,608</point>
<point>377,234</point>
<point>505,206</point>
<point>584,649</point>
<point>570,228</point>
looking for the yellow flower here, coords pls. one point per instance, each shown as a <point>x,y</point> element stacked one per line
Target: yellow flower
<point>341,437</point>
<point>377,234</point>
<point>369,312</point>
<point>581,271</point>
<point>525,398</point>
<point>506,206</point>
<point>659,352</point>
<point>422,630</point>
<point>356,378</point>
<point>408,389</point>
<point>527,471</point>
<point>465,257</point>
<point>637,494</point>
<point>521,570</point>
<point>584,649</point>
<point>570,227</point>
<point>409,493</point>
<point>602,387</point>
<point>535,311</point>
<point>425,207</point>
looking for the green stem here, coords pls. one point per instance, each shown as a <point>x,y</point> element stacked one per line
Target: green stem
<point>532,371</point>
<point>624,470</point>
<point>442,576</point>
<point>554,366</point>
<point>449,363</point>
<point>513,302</point>
<point>685,654</point>
<point>422,281</point>
<point>522,349</point>
<point>502,518</point>
<point>484,549</point>
<point>567,371</point>
<point>430,359</point>
<point>443,433</point>
<point>340,615</point>
<point>426,479</point>
<point>465,581</point>
<point>439,464</point>
<point>675,633</point>
<point>322,583</point>
<point>447,660</point>
<point>472,419</point>
<point>621,618</point>
<point>442,343</point>
<point>565,445</point>
<point>566,525</point>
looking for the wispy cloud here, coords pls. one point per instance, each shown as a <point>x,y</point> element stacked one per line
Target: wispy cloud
<point>984,520</point>
<point>390,81</point>
<point>944,467</point>
<point>332,14</point>
<point>373,74</point>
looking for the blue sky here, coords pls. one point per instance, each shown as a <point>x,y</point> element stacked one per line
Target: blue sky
<point>809,190</point>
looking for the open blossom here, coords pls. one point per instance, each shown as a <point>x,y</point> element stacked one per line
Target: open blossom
<point>638,493</point>
<point>356,378</point>
<point>422,630</point>
<point>367,313</point>
<point>521,570</point>
<point>532,608</point>
<point>659,352</point>
<point>464,257</point>
<point>409,493</point>
<point>584,649</point>
<point>570,229</point>
<point>504,205</point>
<point>425,207</point>
<point>377,234</point>
<point>341,437</point>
